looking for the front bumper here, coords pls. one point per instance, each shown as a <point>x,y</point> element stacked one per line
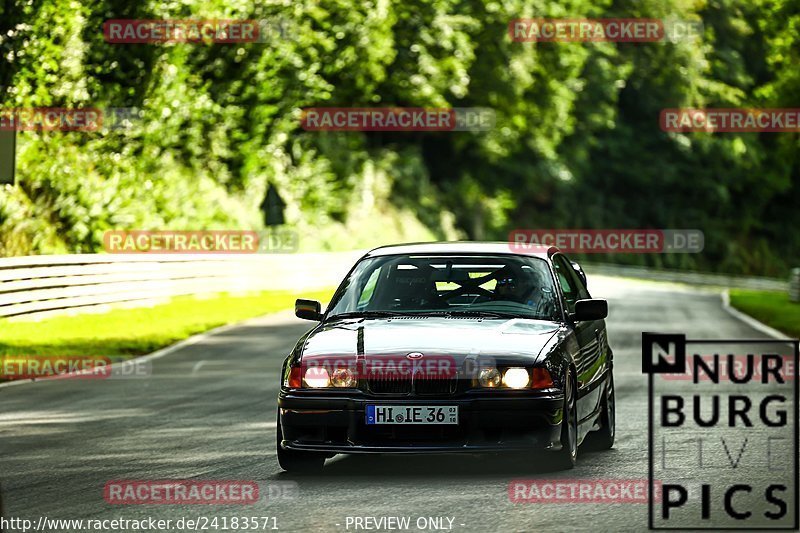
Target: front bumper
<point>331,422</point>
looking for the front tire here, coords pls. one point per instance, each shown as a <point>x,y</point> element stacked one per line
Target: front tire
<point>567,456</point>
<point>296,462</point>
<point>603,438</point>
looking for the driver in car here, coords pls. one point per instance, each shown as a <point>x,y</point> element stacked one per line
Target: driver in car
<point>510,288</point>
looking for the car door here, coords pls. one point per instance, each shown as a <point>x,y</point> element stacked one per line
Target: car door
<point>588,335</point>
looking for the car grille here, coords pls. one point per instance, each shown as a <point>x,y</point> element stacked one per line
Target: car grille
<point>435,386</point>
<point>388,384</point>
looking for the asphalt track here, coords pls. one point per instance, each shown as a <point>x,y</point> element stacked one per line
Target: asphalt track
<point>208,412</point>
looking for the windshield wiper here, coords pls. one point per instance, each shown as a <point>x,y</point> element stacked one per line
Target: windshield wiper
<point>466,312</point>
<point>365,314</point>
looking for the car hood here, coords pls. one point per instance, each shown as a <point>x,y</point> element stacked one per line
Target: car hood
<point>447,336</point>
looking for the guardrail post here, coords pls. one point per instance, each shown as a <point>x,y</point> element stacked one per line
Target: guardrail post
<point>794,285</point>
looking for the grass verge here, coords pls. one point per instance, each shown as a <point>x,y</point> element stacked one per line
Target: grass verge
<point>772,308</point>
<point>130,332</point>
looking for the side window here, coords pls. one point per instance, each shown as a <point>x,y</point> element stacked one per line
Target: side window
<point>567,279</point>
<point>583,293</point>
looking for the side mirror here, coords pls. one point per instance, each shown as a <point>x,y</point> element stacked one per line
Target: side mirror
<point>308,309</point>
<point>578,270</point>
<point>594,309</point>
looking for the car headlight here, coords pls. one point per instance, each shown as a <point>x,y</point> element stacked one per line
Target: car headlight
<point>316,377</point>
<point>343,377</point>
<point>516,378</point>
<point>489,377</point>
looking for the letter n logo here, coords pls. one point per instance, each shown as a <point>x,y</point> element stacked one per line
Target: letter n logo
<point>663,353</point>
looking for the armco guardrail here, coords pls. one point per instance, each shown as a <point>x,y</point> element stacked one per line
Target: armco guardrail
<point>794,285</point>
<point>36,286</point>
<point>689,278</point>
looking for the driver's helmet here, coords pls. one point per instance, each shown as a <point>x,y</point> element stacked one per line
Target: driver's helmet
<point>506,283</point>
<point>512,287</point>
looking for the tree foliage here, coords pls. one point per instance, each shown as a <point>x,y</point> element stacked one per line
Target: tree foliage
<point>577,142</point>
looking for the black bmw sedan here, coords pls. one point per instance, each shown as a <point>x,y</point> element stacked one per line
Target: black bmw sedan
<point>450,347</point>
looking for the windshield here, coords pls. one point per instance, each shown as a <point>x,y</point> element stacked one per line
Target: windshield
<point>486,285</point>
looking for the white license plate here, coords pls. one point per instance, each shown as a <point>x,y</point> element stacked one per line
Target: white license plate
<point>412,414</point>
